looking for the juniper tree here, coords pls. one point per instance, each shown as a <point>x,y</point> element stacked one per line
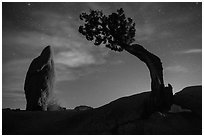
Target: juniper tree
<point>117,32</point>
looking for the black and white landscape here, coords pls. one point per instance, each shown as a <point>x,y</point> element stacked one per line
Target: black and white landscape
<point>101,68</point>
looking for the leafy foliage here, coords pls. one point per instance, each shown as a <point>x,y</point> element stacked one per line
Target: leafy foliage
<point>114,31</point>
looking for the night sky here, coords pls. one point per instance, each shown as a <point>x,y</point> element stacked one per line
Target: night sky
<point>94,76</point>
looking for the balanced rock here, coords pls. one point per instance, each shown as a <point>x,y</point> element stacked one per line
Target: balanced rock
<point>39,81</point>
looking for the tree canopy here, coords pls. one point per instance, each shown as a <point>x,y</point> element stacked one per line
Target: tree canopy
<point>114,31</point>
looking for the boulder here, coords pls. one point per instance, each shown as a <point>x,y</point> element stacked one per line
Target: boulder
<point>190,98</point>
<point>39,81</point>
<point>82,108</point>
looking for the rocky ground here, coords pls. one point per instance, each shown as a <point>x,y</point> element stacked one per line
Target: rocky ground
<point>121,116</point>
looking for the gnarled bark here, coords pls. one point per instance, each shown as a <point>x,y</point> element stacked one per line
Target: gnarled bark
<point>157,97</point>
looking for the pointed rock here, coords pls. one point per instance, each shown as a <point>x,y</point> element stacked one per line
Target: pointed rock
<point>39,81</point>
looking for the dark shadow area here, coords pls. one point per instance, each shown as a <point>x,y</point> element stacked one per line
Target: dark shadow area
<point>120,117</point>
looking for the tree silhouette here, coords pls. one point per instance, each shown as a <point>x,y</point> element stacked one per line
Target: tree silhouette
<point>117,33</point>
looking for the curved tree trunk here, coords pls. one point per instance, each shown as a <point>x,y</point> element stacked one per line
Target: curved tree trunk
<point>154,65</point>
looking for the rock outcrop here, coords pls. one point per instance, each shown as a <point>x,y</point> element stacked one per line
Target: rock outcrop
<point>39,81</point>
<point>119,117</point>
<point>82,108</point>
<point>190,98</point>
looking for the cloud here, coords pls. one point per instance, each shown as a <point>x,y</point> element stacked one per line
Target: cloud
<point>64,74</point>
<point>190,51</point>
<point>74,58</point>
<point>67,63</point>
<point>176,69</point>
<point>61,32</point>
<point>72,53</point>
